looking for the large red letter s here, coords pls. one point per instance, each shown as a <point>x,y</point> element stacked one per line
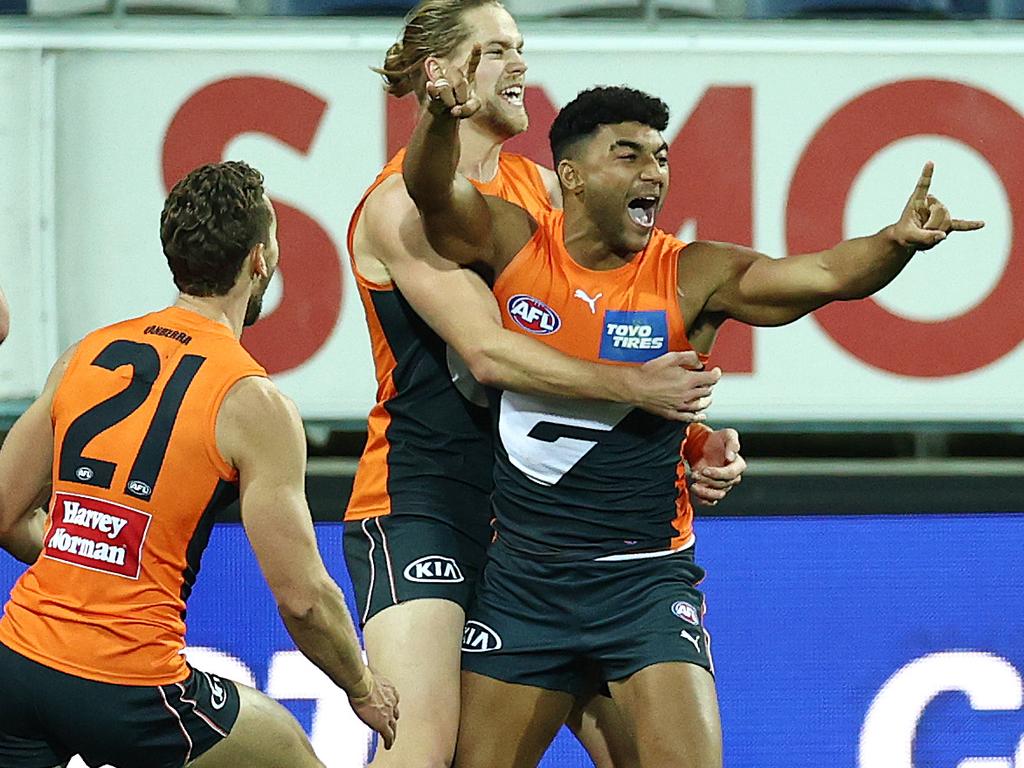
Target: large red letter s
<point>310,267</point>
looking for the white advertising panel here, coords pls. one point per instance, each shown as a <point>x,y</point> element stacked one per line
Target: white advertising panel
<point>786,144</point>
<point>26,260</point>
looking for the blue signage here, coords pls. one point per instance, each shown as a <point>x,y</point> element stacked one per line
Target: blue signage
<point>861,642</point>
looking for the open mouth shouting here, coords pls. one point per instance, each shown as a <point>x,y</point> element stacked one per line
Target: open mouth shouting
<point>642,210</point>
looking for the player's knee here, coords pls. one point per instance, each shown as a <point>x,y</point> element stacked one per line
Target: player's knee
<point>267,718</point>
<point>293,737</point>
<point>296,744</point>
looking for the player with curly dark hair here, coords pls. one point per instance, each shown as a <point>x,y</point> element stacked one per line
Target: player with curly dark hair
<point>145,430</point>
<point>602,106</point>
<point>593,569</point>
<point>210,221</point>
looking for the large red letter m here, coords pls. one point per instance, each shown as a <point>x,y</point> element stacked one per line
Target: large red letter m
<point>712,187</point>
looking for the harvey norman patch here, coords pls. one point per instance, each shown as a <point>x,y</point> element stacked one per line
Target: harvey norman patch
<point>96,534</point>
<point>634,336</point>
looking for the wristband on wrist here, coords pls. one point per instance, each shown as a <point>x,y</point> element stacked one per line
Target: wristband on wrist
<point>697,434</point>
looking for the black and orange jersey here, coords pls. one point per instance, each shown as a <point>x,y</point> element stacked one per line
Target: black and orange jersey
<point>428,449</point>
<point>579,479</point>
<point>137,480</point>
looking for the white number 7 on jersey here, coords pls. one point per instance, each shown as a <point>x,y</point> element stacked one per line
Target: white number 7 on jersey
<point>546,437</point>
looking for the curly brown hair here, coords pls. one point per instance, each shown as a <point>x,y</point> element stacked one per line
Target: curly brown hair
<point>432,28</point>
<point>211,220</point>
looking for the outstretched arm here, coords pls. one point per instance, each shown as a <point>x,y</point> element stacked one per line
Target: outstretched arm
<point>758,290</point>
<point>461,224</point>
<point>260,433</point>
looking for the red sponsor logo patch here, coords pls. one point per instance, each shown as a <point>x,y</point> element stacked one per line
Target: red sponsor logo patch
<point>96,534</point>
<point>533,314</point>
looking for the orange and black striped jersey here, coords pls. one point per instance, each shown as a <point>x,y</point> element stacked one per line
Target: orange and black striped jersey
<point>579,479</point>
<point>137,480</point>
<point>428,449</point>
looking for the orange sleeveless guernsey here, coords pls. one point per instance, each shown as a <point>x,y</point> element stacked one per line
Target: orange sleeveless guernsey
<point>579,479</point>
<point>137,480</point>
<point>427,448</point>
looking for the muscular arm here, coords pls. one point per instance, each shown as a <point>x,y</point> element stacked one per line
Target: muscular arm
<point>26,466</point>
<point>754,289</point>
<point>462,310</point>
<point>763,291</point>
<point>462,225</point>
<point>259,432</point>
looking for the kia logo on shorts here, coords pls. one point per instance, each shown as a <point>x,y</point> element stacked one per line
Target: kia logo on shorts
<point>533,315</point>
<point>479,638</point>
<point>433,569</point>
<point>686,612</point>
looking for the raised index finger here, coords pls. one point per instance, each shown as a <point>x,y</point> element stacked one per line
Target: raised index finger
<point>920,196</point>
<point>473,63</point>
<point>967,225</point>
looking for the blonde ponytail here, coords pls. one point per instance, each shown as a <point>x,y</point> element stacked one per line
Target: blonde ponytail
<point>432,28</point>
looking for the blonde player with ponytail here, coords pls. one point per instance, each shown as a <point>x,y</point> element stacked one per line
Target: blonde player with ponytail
<point>418,520</point>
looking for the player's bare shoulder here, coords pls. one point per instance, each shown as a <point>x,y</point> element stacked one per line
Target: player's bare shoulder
<point>255,400</point>
<point>385,204</point>
<point>715,256</point>
<point>57,372</point>
<point>388,215</point>
<point>711,264</point>
<point>388,230</point>
<point>254,415</point>
<point>62,363</point>
<point>707,268</point>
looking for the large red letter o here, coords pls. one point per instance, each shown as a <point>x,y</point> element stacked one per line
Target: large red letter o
<point>821,185</point>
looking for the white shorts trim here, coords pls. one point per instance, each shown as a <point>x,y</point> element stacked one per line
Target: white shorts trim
<point>646,555</point>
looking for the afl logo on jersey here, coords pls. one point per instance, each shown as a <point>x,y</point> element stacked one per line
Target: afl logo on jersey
<point>140,489</point>
<point>84,474</point>
<point>533,315</point>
